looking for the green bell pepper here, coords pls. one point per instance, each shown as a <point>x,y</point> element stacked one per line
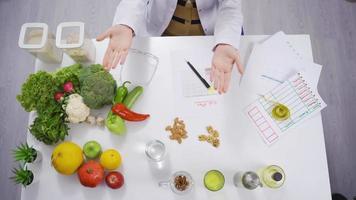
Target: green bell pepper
<point>115,124</point>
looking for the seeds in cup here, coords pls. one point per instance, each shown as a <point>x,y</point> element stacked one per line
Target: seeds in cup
<point>181,183</point>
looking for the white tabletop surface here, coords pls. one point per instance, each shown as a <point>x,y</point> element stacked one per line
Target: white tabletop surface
<point>301,152</point>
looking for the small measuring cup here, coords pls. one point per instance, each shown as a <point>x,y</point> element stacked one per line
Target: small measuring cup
<point>172,183</point>
<point>37,40</point>
<point>71,37</point>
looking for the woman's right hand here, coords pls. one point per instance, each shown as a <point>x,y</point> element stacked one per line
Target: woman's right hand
<point>120,42</point>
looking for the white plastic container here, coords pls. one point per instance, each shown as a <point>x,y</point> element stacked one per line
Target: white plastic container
<point>35,38</point>
<point>72,39</point>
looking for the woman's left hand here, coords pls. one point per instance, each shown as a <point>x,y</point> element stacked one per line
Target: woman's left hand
<point>225,56</point>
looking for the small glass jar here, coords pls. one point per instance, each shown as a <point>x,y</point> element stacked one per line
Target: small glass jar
<point>71,37</point>
<point>272,176</point>
<point>35,38</point>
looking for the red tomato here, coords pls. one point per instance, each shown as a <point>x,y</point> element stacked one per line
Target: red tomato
<point>91,174</point>
<point>114,180</point>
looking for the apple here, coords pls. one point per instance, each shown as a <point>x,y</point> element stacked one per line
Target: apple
<point>92,149</point>
<point>114,180</point>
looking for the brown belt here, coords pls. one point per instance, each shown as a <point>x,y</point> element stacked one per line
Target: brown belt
<point>183,21</point>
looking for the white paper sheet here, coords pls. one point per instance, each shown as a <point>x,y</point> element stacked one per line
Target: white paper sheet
<point>192,97</point>
<point>270,65</point>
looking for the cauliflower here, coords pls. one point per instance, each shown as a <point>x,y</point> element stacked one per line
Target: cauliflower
<point>76,110</point>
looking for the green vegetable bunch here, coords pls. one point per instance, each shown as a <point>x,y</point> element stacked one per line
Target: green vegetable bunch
<point>69,73</point>
<point>97,86</point>
<point>22,176</point>
<point>37,91</point>
<point>50,126</point>
<point>37,94</point>
<point>25,153</point>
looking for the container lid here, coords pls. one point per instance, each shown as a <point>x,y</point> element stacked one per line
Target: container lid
<point>33,35</point>
<point>70,35</point>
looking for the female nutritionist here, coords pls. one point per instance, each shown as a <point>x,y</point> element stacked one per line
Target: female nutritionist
<point>223,18</point>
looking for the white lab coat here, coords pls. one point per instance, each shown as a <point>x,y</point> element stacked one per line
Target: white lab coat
<point>223,18</point>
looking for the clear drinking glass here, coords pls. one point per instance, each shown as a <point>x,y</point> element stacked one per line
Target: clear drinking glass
<point>173,183</point>
<point>155,150</point>
<point>139,67</point>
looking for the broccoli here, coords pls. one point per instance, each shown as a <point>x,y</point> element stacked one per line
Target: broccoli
<point>97,86</point>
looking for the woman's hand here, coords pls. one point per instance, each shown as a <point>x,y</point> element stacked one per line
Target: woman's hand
<point>225,56</point>
<point>120,42</point>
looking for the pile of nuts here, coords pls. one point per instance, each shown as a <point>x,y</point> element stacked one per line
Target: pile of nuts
<point>212,137</point>
<point>181,183</point>
<point>178,131</point>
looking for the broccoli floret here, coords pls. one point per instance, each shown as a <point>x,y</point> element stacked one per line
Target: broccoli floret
<point>87,71</point>
<point>97,86</point>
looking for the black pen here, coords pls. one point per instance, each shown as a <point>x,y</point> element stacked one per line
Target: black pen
<point>206,84</point>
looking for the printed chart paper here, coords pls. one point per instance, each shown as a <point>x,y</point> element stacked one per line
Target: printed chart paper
<point>296,94</point>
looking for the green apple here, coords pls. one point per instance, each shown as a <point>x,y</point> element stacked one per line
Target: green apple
<point>92,149</point>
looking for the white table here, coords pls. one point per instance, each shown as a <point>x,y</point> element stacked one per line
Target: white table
<point>301,152</point>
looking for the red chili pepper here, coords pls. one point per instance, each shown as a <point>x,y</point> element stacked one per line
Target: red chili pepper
<point>125,113</point>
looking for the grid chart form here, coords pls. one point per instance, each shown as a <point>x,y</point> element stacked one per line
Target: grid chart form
<point>297,96</point>
<point>268,133</point>
<point>293,93</point>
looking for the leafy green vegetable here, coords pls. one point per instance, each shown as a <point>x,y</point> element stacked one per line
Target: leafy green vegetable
<point>50,127</point>
<point>69,73</point>
<point>97,86</point>
<point>37,91</point>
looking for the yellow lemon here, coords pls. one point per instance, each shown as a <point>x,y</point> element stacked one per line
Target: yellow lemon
<point>67,158</point>
<point>110,159</point>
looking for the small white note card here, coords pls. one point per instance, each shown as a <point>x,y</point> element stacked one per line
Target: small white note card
<point>296,94</point>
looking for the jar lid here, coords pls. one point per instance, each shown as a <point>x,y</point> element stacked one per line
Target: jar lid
<point>70,35</point>
<point>33,35</point>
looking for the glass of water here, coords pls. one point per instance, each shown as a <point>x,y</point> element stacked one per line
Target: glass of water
<point>155,150</point>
